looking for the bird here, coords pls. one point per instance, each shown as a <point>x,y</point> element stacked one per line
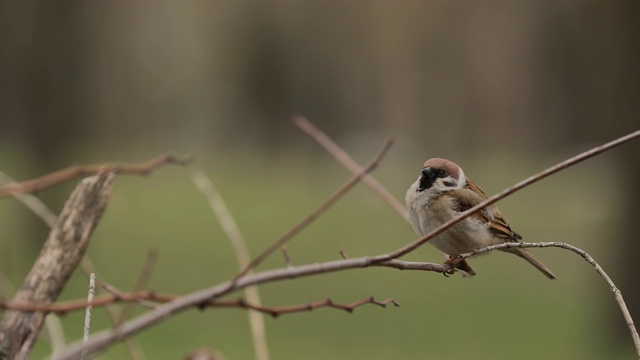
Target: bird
<point>442,192</point>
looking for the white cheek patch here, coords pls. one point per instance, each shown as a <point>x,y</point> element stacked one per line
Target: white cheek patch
<point>462,180</point>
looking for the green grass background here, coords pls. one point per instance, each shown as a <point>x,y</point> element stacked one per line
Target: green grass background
<point>508,311</point>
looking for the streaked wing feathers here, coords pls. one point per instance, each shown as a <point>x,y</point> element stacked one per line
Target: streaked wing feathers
<point>471,196</point>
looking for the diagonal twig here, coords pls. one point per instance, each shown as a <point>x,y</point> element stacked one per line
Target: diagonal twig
<point>131,344</point>
<point>73,172</point>
<point>222,213</point>
<point>141,283</point>
<point>119,296</point>
<point>30,201</point>
<point>319,211</point>
<point>343,157</point>
<point>285,254</point>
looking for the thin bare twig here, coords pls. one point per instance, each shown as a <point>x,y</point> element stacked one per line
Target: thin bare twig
<point>617,294</point>
<point>285,254</point>
<point>131,344</point>
<point>319,211</point>
<point>56,333</point>
<point>73,172</point>
<point>87,316</point>
<point>281,310</point>
<point>222,213</point>
<point>343,157</point>
<point>499,196</point>
<point>63,307</point>
<point>141,283</point>
<point>30,201</point>
<point>129,298</point>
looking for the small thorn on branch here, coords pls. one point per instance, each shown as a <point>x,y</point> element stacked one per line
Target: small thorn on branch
<point>343,254</point>
<point>287,259</point>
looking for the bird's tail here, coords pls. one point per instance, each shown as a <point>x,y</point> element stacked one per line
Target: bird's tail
<point>465,268</point>
<point>533,261</point>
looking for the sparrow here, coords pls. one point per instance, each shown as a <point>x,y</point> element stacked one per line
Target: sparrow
<point>442,192</point>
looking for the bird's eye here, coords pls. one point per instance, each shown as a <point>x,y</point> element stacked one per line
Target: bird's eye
<point>440,173</point>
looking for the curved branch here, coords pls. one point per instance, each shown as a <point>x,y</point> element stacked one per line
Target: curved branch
<point>617,294</point>
<point>305,125</point>
<point>73,172</point>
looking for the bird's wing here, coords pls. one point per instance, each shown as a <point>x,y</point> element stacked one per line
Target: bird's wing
<point>470,196</point>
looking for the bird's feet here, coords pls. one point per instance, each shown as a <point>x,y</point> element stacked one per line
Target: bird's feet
<point>453,261</point>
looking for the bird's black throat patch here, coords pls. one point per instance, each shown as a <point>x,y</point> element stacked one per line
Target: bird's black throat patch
<point>427,179</point>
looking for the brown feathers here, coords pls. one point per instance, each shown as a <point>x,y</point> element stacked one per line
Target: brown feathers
<point>490,215</point>
<point>442,192</point>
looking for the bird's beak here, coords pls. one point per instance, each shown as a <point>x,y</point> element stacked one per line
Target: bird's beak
<point>427,179</point>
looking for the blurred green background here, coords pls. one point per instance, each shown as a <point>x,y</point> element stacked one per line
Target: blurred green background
<point>503,88</point>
